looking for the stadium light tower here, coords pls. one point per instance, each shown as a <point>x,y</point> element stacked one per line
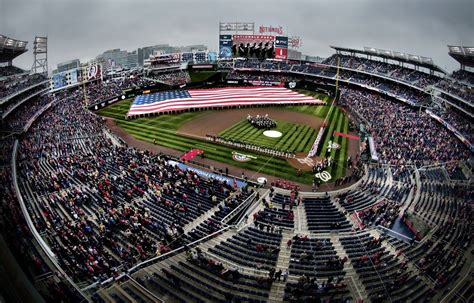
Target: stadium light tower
<point>40,50</point>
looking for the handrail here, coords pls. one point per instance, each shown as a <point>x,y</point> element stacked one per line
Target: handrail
<point>238,208</point>
<point>49,253</point>
<point>153,260</point>
<point>390,231</point>
<point>323,194</point>
<point>144,289</point>
<point>173,252</point>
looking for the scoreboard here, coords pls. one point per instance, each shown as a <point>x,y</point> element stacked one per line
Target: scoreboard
<point>253,46</point>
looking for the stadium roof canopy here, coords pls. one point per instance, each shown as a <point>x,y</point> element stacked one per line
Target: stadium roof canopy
<point>11,48</point>
<point>463,54</point>
<point>393,55</point>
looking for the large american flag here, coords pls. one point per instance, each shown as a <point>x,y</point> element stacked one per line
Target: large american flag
<point>180,100</point>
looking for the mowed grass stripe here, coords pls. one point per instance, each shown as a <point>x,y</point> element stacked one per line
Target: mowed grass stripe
<point>246,133</point>
<point>234,130</point>
<point>307,140</point>
<point>289,144</point>
<point>284,138</point>
<point>301,136</point>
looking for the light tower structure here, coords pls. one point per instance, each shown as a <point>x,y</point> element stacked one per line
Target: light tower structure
<point>40,51</point>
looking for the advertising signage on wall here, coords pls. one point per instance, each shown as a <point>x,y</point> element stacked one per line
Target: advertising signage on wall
<point>270,29</point>
<point>225,46</point>
<point>281,47</point>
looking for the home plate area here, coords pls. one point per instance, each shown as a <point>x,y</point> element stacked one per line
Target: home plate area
<point>303,162</point>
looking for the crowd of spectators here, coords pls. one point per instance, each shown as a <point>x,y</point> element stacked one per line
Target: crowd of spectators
<point>307,289</point>
<point>263,65</point>
<point>13,85</point>
<point>171,78</point>
<point>7,71</point>
<point>240,73</point>
<point>285,184</point>
<point>101,225</point>
<point>253,76</point>
<point>102,90</point>
<point>457,88</point>
<point>395,71</point>
<point>403,135</point>
<point>18,119</point>
<point>459,121</point>
<point>20,241</point>
<point>464,76</point>
<point>384,213</point>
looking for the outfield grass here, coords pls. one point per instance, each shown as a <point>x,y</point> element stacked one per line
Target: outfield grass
<point>295,138</point>
<point>163,128</point>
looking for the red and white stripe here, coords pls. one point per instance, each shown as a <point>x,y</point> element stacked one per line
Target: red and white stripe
<point>226,97</point>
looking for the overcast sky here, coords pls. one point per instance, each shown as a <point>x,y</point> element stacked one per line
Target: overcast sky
<point>85,28</point>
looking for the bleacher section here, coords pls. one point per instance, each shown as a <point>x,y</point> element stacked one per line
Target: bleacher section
<point>385,278</point>
<point>252,248</point>
<point>323,216</point>
<point>103,207</point>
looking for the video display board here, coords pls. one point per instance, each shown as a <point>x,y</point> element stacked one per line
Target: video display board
<point>253,46</point>
<point>93,72</point>
<point>65,78</point>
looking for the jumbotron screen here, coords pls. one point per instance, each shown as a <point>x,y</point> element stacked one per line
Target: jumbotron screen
<point>253,46</point>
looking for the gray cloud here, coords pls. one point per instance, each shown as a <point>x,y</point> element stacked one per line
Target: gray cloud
<point>83,29</point>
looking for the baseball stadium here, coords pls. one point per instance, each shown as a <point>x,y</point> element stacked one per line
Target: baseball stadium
<point>236,170</point>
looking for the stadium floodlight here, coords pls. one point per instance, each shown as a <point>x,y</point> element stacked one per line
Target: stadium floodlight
<point>10,42</point>
<point>469,50</point>
<point>455,49</point>
<point>41,45</point>
<point>384,52</point>
<point>426,60</point>
<point>40,51</point>
<point>400,55</point>
<point>371,50</point>
<point>414,58</point>
<point>236,27</point>
<point>21,44</point>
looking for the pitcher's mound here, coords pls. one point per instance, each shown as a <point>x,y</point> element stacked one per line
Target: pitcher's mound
<point>302,162</point>
<point>272,134</point>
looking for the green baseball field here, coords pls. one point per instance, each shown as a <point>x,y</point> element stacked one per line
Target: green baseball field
<point>296,137</point>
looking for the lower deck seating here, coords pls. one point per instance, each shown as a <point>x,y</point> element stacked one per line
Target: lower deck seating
<point>201,279</point>
<point>308,290</point>
<point>275,216</point>
<point>323,216</point>
<point>251,248</point>
<point>314,258</point>
<point>384,277</point>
